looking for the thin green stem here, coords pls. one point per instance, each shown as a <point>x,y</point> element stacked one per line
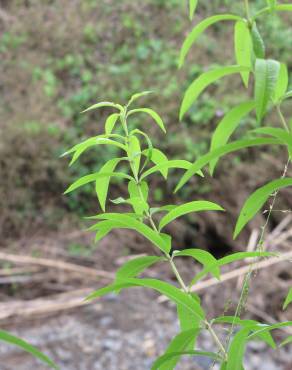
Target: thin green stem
<point>248,276</point>
<point>169,258</point>
<point>247,9</point>
<point>282,118</point>
<point>178,276</point>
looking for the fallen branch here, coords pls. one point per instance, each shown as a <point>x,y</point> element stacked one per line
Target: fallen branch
<point>61,265</point>
<point>237,272</point>
<point>45,306</point>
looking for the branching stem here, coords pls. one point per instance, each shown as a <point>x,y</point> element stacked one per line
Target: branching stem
<point>169,258</point>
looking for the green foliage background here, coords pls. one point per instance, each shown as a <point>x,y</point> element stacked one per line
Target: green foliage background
<point>57,57</point>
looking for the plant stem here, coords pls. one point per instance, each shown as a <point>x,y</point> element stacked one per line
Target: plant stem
<point>248,276</point>
<point>247,9</point>
<point>179,278</point>
<point>282,118</point>
<point>169,258</point>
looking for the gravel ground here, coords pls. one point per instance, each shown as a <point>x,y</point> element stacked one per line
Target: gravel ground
<point>125,332</point>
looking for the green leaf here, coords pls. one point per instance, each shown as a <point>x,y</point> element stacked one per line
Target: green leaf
<point>268,328</point>
<point>258,43</point>
<point>93,141</point>
<point>138,95</point>
<point>102,105</point>
<point>196,206</point>
<point>278,133</point>
<point>288,340</point>
<point>170,291</point>
<point>199,29</point>
<point>253,325</point>
<point>181,342</point>
<point>130,223</point>
<point>187,320</point>
<point>237,350</point>
<point>158,157</point>
<point>93,177</point>
<point>151,113</point>
<point>243,48</point>
<point>135,266</point>
<point>192,8</point>
<point>227,126</point>
<point>284,7</point>
<point>134,153</point>
<point>203,81</point>
<point>266,76</point>
<point>288,299</point>
<point>219,152</point>
<point>204,257</point>
<point>256,200</point>
<point>272,3</point>
<point>110,123</point>
<point>229,259</point>
<point>181,164</point>
<point>282,83</point>
<point>11,339</point>
<point>133,188</point>
<point>287,95</point>
<point>102,184</point>
<point>161,360</point>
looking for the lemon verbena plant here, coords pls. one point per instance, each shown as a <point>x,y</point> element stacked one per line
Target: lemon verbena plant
<point>139,159</point>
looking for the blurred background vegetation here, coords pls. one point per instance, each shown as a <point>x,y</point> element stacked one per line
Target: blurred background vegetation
<point>58,57</point>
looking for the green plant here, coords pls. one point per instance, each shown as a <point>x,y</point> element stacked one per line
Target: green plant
<point>142,159</point>
<point>15,341</point>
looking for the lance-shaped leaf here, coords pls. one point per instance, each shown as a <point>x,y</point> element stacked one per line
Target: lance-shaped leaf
<point>287,95</point>
<point>243,48</point>
<point>158,157</point>
<point>278,133</point>
<point>170,291</point>
<point>135,266</point>
<point>266,77</point>
<point>219,152</point>
<point>141,193</point>
<point>229,259</point>
<point>176,163</point>
<point>130,223</point>
<point>284,8</point>
<point>287,341</point>
<point>168,356</point>
<point>102,184</point>
<point>282,83</point>
<point>103,105</point>
<point>272,3</point>
<point>256,201</point>
<point>196,206</point>
<point>253,325</point>
<point>110,123</point>
<point>94,177</point>
<point>203,81</point>
<point>80,148</point>
<point>151,113</point>
<point>179,343</point>
<point>134,153</point>
<point>268,328</point>
<point>288,299</point>
<point>227,126</point>
<point>187,321</point>
<point>11,339</point>
<point>259,48</point>
<point>192,8</point>
<point>237,350</point>
<point>204,257</point>
<point>199,29</point>
<point>138,96</point>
